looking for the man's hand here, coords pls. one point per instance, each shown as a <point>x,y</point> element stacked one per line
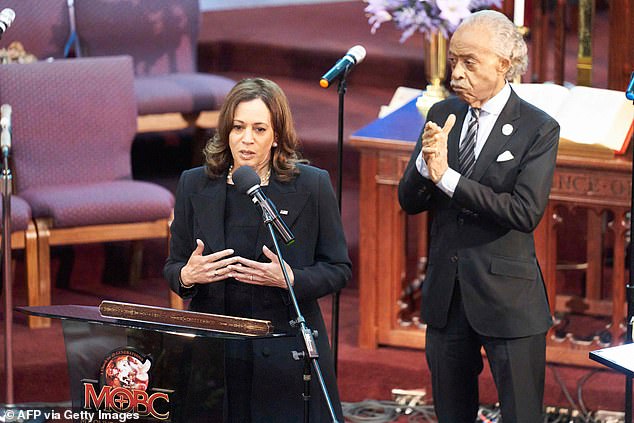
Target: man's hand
<point>435,147</point>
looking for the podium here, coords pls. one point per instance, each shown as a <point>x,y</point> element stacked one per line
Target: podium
<point>143,371</point>
<point>393,247</point>
<point>621,359</point>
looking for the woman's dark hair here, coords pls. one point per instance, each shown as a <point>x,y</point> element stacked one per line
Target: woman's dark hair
<point>284,157</point>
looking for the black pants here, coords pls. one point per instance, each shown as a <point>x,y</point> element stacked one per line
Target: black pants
<point>454,358</point>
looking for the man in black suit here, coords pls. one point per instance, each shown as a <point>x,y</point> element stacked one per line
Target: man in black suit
<point>485,182</point>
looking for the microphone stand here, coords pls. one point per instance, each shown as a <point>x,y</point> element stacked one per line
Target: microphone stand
<point>629,295</point>
<point>7,274</point>
<point>341,90</point>
<point>310,353</point>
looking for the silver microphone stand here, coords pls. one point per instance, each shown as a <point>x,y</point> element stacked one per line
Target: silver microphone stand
<point>7,280</point>
<point>629,287</point>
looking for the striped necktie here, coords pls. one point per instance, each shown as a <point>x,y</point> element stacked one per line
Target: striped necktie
<point>466,153</point>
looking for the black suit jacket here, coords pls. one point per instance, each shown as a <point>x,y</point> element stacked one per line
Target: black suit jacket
<point>483,235</point>
<point>320,263</point>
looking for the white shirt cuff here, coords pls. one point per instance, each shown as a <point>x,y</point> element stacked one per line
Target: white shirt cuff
<point>422,166</point>
<point>449,182</point>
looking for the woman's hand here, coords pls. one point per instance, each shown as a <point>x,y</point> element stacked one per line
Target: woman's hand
<point>257,273</point>
<point>206,269</point>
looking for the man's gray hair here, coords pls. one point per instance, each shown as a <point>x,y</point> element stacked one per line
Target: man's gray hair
<point>507,40</point>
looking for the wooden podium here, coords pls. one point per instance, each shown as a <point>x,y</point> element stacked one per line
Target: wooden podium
<point>393,246</point>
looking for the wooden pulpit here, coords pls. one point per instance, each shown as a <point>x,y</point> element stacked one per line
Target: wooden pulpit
<point>393,246</point>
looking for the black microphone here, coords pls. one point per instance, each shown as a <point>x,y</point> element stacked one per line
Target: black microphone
<point>629,93</point>
<point>248,182</point>
<point>5,125</point>
<point>354,56</point>
<point>6,19</point>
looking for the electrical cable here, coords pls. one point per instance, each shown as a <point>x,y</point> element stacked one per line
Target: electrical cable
<point>486,415</point>
<point>580,383</point>
<point>423,414</point>
<point>564,389</point>
<point>372,411</point>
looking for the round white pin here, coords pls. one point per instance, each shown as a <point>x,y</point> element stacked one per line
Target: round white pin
<point>507,129</point>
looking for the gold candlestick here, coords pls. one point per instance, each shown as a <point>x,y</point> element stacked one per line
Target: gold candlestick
<point>584,57</point>
<point>435,68</point>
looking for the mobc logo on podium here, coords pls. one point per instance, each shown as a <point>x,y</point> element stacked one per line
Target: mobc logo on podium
<point>123,391</point>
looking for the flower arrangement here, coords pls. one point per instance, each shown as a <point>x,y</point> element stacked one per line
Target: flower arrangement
<point>426,16</point>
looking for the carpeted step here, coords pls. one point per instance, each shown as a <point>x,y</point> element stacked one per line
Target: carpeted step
<point>304,41</point>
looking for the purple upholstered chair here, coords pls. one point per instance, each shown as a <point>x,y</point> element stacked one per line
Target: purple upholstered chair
<point>73,125</point>
<point>161,36</point>
<point>43,27</point>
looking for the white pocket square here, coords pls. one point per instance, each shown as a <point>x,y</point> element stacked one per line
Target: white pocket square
<point>505,157</point>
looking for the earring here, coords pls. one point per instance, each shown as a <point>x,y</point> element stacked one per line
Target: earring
<point>274,144</point>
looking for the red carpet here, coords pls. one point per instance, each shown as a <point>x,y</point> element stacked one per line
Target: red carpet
<point>41,375</point>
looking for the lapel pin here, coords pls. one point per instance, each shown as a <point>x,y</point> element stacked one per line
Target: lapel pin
<point>507,129</point>
<point>284,212</point>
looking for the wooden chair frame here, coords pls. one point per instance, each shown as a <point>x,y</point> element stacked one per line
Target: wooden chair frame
<point>27,240</point>
<point>48,236</point>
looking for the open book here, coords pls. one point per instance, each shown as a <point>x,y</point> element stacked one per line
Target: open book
<point>593,121</point>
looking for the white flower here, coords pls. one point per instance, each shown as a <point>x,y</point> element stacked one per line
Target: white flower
<point>454,11</point>
<point>379,17</point>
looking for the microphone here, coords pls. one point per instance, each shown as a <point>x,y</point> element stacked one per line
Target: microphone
<point>5,125</point>
<point>6,19</point>
<point>629,93</point>
<point>248,182</point>
<point>354,56</point>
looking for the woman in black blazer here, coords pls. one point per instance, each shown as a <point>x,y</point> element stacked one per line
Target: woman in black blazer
<point>221,253</point>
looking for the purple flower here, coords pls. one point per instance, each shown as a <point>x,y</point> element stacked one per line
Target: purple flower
<point>484,4</point>
<point>454,11</point>
<point>426,16</point>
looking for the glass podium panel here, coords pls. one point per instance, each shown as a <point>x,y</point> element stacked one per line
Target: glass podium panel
<point>127,369</point>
